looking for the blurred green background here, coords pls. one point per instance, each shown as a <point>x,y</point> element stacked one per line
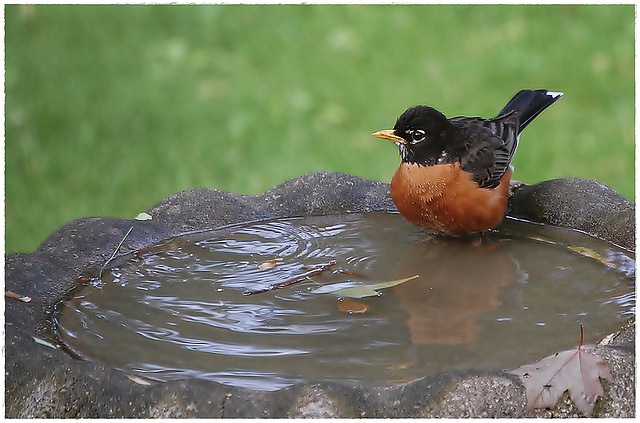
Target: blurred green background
<point>110,109</point>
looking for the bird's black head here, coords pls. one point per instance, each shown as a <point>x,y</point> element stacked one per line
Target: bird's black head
<point>421,133</point>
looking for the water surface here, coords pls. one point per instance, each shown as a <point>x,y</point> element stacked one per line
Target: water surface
<point>255,305</point>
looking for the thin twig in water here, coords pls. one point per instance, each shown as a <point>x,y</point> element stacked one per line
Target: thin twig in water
<point>303,278</point>
<point>114,253</point>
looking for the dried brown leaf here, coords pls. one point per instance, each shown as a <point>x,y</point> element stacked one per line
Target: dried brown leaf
<point>574,370</point>
<point>347,305</point>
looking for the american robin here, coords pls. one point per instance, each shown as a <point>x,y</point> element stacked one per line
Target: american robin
<point>455,173</point>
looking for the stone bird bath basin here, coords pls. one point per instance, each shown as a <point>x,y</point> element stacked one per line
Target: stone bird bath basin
<point>44,381</point>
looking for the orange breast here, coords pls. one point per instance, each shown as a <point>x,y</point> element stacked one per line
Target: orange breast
<point>444,199</point>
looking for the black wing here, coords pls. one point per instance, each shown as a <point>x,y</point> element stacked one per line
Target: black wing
<point>490,147</point>
<point>491,143</point>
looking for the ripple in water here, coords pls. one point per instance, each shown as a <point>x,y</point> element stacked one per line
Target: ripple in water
<point>181,310</point>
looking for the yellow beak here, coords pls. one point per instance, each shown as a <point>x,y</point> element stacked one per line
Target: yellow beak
<point>389,134</point>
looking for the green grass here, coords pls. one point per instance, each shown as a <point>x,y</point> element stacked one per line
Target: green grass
<point>110,109</point>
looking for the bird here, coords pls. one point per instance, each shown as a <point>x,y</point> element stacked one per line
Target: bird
<point>455,173</point>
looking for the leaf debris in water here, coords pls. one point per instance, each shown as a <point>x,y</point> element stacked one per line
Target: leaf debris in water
<point>358,290</point>
<point>345,305</point>
<point>270,263</point>
<point>588,252</point>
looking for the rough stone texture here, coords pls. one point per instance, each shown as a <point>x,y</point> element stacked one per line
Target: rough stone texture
<point>318,402</point>
<point>579,204</point>
<point>45,382</point>
<point>481,396</point>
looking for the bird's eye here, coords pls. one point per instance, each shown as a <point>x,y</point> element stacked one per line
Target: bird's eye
<point>417,135</point>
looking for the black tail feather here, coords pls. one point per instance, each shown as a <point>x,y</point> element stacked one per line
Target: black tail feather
<point>529,103</point>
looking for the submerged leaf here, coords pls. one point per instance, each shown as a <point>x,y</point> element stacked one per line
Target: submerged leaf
<point>588,252</point>
<point>358,290</point>
<point>574,370</point>
<point>346,305</point>
<point>270,263</point>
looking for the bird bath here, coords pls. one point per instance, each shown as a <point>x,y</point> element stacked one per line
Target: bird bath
<point>288,304</point>
<point>269,304</point>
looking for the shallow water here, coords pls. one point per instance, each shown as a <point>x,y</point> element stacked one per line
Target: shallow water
<point>265,305</point>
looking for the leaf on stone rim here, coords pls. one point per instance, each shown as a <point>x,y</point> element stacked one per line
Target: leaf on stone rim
<point>143,216</point>
<point>15,296</point>
<point>45,343</point>
<point>138,380</point>
<point>574,370</point>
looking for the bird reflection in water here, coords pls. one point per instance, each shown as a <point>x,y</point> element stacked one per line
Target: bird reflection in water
<point>463,279</point>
